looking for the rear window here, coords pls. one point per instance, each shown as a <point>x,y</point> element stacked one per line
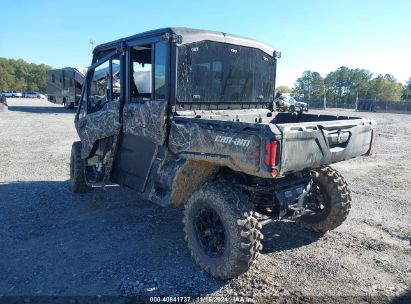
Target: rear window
<point>219,73</point>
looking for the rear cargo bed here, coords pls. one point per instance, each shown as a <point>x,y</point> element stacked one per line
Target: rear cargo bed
<point>309,140</point>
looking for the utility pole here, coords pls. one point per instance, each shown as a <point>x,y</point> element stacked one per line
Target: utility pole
<point>356,103</point>
<point>325,102</point>
<point>309,92</point>
<point>92,42</point>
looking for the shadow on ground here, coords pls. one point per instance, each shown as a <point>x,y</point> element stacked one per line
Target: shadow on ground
<point>108,242</point>
<point>40,110</point>
<point>285,235</point>
<point>404,298</point>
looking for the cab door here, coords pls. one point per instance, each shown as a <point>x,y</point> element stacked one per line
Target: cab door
<point>98,118</point>
<point>144,114</point>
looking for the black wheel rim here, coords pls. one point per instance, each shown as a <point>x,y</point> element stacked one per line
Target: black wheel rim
<point>209,231</point>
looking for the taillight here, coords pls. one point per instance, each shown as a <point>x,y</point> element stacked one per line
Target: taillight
<point>271,149</point>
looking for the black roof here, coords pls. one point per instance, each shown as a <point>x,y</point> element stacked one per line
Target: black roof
<point>193,35</point>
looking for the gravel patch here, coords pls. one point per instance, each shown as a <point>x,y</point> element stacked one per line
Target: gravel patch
<point>110,242</point>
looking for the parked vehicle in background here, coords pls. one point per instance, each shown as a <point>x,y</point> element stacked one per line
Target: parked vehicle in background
<point>17,94</point>
<point>284,102</point>
<point>297,96</point>
<point>12,94</point>
<point>297,106</point>
<point>33,95</point>
<point>201,132</point>
<point>64,86</point>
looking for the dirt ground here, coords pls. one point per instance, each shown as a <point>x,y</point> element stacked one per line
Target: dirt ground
<point>110,242</point>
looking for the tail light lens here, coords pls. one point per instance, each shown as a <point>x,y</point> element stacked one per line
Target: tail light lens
<point>271,150</point>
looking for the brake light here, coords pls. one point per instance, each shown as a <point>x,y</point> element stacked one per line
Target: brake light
<point>271,149</point>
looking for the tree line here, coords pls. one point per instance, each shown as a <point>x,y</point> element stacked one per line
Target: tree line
<point>22,76</point>
<point>344,85</point>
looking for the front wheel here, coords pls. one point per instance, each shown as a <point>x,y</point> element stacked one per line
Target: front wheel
<point>328,201</point>
<point>77,178</point>
<point>221,230</point>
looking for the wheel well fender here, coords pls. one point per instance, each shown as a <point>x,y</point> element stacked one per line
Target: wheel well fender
<point>191,175</point>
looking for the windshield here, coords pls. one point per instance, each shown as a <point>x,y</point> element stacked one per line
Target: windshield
<point>213,72</point>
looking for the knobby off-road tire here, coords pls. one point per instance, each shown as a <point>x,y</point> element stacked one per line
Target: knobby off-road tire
<point>77,179</point>
<point>336,201</point>
<point>237,235</point>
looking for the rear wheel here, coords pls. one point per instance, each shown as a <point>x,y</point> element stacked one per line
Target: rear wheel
<point>221,230</point>
<point>328,202</point>
<point>292,109</point>
<point>77,179</point>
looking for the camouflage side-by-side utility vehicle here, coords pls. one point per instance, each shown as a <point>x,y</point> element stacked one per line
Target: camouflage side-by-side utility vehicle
<point>189,119</point>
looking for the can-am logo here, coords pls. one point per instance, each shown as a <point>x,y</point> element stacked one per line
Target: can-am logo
<point>234,141</point>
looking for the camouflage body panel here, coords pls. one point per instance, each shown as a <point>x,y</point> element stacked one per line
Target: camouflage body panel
<point>178,178</point>
<point>190,177</point>
<point>146,119</point>
<point>94,126</point>
<point>238,146</point>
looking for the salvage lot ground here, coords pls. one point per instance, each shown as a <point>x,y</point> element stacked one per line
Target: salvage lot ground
<point>111,242</point>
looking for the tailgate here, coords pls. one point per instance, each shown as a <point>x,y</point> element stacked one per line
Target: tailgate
<point>309,145</point>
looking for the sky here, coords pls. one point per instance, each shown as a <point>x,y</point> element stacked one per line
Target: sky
<point>311,34</point>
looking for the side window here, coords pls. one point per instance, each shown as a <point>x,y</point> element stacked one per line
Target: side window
<point>99,83</point>
<point>104,84</point>
<point>115,83</point>
<point>53,78</point>
<point>160,70</point>
<point>141,73</point>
